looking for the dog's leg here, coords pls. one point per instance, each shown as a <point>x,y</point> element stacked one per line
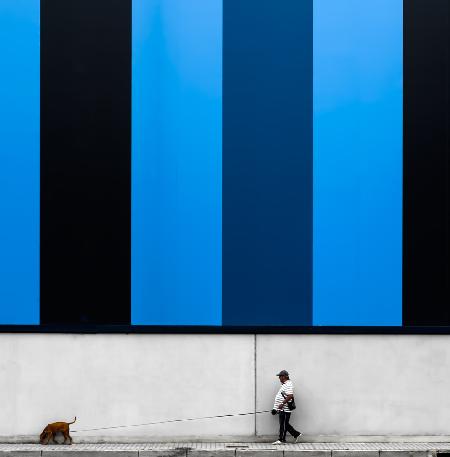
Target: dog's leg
<point>66,435</point>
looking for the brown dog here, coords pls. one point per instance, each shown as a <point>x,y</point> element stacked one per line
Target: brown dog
<point>51,430</point>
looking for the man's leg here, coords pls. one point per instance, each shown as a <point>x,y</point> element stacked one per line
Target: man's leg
<point>284,421</point>
<point>291,429</point>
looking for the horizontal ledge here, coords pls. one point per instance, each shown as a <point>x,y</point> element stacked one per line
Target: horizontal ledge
<point>225,330</point>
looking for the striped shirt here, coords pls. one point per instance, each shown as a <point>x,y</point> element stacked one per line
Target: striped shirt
<point>287,388</point>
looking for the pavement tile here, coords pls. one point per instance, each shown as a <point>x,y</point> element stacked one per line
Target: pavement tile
<point>405,453</point>
<point>211,452</point>
<point>174,452</point>
<point>21,453</point>
<point>355,453</point>
<point>90,453</point>
<point>306,453</point>
<point>271,451</point>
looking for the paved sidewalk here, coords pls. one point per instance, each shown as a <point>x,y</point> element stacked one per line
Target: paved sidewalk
<point>232,450</point>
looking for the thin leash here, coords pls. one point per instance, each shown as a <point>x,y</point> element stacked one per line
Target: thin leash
<point>171,420</point>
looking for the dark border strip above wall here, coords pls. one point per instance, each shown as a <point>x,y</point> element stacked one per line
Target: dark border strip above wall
<point>138,329</point>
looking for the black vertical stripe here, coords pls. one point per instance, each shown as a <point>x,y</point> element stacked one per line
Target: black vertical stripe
<point>85,161</point>
<point>426,298</point>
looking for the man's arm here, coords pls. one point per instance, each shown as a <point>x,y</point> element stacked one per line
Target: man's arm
<point>287,398</point>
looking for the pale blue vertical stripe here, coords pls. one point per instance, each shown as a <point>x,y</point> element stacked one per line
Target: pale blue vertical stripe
<point>357,247</point>
<point>19,161</point>
<point>176,162</point>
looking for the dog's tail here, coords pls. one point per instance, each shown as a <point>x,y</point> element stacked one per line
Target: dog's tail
<point>73,421</point>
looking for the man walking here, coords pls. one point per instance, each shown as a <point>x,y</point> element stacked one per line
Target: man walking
<point>283,400</point>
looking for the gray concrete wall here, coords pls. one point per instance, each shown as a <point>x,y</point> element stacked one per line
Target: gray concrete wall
<point>345,385</point>
<point>360,385</point>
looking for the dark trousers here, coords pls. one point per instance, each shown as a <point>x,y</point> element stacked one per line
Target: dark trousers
<point>285,426</point>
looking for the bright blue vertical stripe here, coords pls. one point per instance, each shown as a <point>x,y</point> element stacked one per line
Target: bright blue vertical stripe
<point>176,162</point>
<point>357,162</point>
<point>19,161</point>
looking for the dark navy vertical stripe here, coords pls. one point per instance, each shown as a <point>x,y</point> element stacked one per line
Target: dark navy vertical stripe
<point>19,162</point>
<point>177,162</point>
<point>358,54</point>
<point>85,161</point>
<point>267,162</point>
<point>426,297</point>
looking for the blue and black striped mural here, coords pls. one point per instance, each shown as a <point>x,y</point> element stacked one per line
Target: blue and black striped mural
<point>224,163</point>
